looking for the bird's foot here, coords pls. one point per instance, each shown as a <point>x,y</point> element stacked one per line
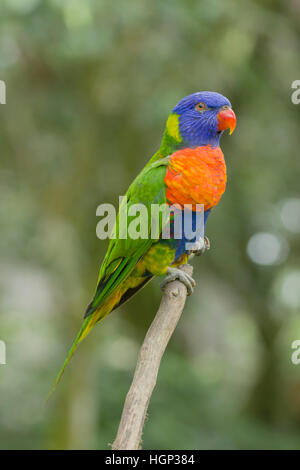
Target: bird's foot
<point>199,247</point>
<point>186,279</point>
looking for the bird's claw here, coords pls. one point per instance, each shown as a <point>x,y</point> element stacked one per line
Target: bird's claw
<point>186,279</point>
<point>199,247</point>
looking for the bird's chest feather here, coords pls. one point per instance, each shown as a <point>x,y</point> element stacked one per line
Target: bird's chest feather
<point>196,176</point>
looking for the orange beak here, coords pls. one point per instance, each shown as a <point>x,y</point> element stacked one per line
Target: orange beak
<point>226,120</point>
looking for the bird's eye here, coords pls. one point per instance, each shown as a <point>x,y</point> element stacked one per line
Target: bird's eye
<point>226,106</point>
<point>201,106</point>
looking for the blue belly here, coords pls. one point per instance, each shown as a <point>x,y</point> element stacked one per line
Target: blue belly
<point>187,233</point>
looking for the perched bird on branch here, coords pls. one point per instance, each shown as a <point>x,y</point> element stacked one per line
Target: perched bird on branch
<point>188,168</point>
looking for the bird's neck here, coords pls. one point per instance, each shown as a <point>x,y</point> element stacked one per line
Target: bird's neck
<point>170,145</point>
<point>173,140</point>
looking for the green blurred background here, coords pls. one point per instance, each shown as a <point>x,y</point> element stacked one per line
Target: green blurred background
<point>89,87</point>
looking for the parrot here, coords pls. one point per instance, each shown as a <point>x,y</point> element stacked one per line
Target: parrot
<point>188,168</point>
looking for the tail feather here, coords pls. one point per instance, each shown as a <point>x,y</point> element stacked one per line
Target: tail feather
<point>85,329</point>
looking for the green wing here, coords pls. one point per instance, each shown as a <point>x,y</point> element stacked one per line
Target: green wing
<point>123,254</point>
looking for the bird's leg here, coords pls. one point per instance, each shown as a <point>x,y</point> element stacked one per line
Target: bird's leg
<point>199,247</point>
<point>175,273</point>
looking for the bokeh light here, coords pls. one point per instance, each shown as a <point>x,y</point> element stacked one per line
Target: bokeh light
<point>266,248</point>
<point>290,214</point>
<point>290,289</point>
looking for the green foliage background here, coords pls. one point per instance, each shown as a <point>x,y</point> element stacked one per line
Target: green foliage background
<point>89,87</point>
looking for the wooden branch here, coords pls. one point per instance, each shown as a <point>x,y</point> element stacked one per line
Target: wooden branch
<point>145,376</point>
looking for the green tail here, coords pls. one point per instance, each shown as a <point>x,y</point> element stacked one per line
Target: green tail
<point>74,346</point>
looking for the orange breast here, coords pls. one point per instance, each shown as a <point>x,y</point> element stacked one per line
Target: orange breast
<point>196,176</point>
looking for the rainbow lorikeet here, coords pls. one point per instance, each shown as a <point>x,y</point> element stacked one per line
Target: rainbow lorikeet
<point>188,168</point>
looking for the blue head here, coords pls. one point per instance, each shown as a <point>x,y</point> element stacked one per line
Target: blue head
<point>200,119</point>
